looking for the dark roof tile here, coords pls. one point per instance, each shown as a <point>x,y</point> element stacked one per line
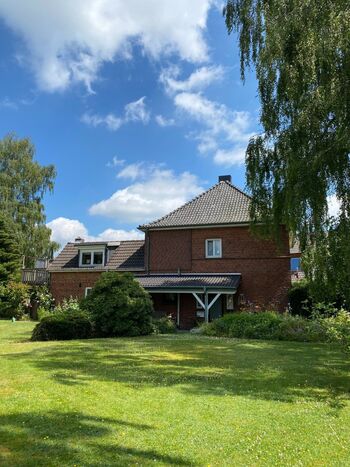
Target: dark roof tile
<point>222,204</point>
<point>129,255</point>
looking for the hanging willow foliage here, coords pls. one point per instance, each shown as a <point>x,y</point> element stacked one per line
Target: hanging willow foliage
<point>300,50</point>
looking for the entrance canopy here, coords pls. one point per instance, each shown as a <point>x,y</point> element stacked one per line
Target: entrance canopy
<point>190,283</point>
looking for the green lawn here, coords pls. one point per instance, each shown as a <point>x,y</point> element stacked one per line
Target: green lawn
<point>171,400</point>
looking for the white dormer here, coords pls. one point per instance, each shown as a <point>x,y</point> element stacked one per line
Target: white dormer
<point>90,256</point>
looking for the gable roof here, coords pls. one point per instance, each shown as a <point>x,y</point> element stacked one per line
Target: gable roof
<point>221,204</point>
<point>128,255</point>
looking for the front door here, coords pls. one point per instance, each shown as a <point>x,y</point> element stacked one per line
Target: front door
<point>216,309</point>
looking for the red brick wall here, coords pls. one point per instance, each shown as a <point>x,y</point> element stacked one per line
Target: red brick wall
<point>170,250</point>
<point>71,284</point>
<point>264,266</point>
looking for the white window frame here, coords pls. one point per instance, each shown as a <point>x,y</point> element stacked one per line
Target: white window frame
<point>92,252</point>
<point>86,291</point>
<point>206,248</point>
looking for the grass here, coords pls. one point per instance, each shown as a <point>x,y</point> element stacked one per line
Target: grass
<point>171,400</point>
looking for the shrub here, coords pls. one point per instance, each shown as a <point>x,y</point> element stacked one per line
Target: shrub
<point>63,326</point>
<point>337,328</point>
<point>164,325</point>
<point>68,305</point>
<point>269,325</point>
<point>43,313</point>
<point>42,296</point>
<point>299,299</point>
<point>119,306</point>
<point>261,325</point>
<point>14,300</point>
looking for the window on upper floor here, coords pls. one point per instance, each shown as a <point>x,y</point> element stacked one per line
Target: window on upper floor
<point>91,258</point>
<point>213,248</point>
<point>87,291</point>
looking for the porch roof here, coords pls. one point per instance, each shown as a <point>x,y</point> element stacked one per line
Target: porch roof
<point>190,282</point>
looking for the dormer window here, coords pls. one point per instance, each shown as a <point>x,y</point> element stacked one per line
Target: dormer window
<point>91,258</point>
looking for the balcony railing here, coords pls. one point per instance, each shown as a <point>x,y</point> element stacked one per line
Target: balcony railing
<point>35,276</point>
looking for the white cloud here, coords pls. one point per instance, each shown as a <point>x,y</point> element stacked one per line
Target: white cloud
<point>8,103</point>
<point>333,205</point>
<point>230,157</point>
<point>137,111</point>
<point>226,131</point>
<point>133,112</point>
<point>163,122</point>
<point>158,193</point>
<point>198,80</point>
<point>110,121</point>
<point>115,162</point>
<point>66,230</point>
<point>68,41</point>
<point>132,171</point>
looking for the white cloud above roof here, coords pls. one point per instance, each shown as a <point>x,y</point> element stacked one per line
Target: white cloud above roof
<point>68,41</point>
<point>226,132</point>
<point>65,230</point>
<point>157,193</point>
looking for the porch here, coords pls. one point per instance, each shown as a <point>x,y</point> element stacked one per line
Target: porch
<point>192,298</point>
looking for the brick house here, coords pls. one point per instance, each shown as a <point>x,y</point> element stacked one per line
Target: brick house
<point>198,262</point>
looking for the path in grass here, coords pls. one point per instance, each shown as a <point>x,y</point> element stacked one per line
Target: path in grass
<point>171,400</point>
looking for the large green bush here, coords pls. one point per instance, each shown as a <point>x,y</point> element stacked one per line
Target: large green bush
<point>299,298</point>
<point>63,326</point>
<point>119,306</point>
<point>14,300</point>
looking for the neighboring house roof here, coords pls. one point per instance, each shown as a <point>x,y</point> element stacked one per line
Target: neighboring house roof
<point>125,255</point>
<point>173,282</point>
<point>222,204</point>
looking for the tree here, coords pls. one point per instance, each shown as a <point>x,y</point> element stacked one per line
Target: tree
<point>301,53</point>
<point>119,306</point>
<point>10,260</point>
<point>23,184</point>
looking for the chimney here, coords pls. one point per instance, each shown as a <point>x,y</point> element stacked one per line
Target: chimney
<point>225,178</point>
<point>79,240</point>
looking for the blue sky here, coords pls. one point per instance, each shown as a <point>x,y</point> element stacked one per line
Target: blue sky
<point>139,106</point>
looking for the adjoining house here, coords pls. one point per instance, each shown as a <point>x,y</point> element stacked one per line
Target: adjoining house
<point>198,262</point>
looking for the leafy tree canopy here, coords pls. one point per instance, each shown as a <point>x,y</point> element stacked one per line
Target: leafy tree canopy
<point>300,50</point>
<point>23,184</point>
<point>10,260</point>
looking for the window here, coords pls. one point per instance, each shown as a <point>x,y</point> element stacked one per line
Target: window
<point>229,302</point>
<point>87,291</point>
<point>86,259</point>
<point>98,257</point>
<point>91,258</point>
<point>295,264</point>
<point>213,248</point>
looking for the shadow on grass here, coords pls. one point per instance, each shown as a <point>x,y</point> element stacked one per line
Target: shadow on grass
<point>269,370</point>
<point>52,438</point>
